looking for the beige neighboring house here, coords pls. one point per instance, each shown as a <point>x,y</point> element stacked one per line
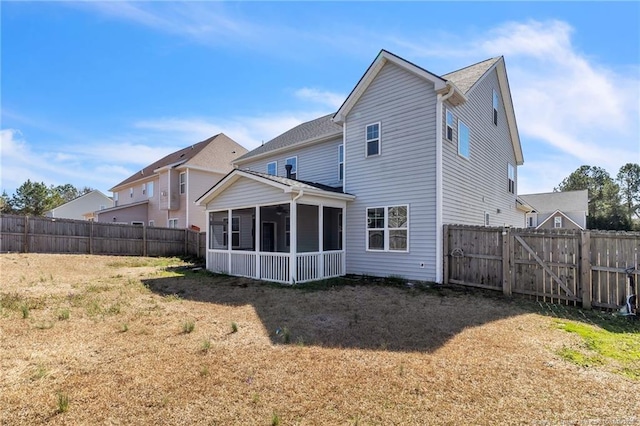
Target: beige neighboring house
<point>82,207</point>
<point>553,210</point>
<point>163,193</point>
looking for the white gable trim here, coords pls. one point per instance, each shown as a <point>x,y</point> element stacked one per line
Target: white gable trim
<point>381,60</point>
<point>563,215</point>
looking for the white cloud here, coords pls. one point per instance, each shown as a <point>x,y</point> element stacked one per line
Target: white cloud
<point>330,99</point>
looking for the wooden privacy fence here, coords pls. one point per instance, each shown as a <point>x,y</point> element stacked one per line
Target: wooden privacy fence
<point>561,266</point>
<point>51,235</point>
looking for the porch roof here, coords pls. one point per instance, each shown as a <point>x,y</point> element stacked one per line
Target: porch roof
<point>285,184</point>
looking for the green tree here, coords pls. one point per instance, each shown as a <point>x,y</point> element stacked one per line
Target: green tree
<point>5,203</point>
<point>32,199</point>
<point>605,210</point>
<point>629,181</point>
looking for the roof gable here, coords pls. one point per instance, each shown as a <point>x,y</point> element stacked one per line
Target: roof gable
<point>556,214</point>
<point>567,201</point>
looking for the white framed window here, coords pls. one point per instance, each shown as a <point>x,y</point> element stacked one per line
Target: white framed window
<point>183,182</point>
<point>557,222</point>
<point>130,192</point>
<point>152,223</point>
<point>531,220</point>
<point>511,176</point>
<point>293,161</point>
<point>495,107</point>
<point>235,231</point>
<point>150,189</point>
<point>387,228</point>
<point>115,199</point>
<point>372,138</point>
<point>486,219</point>
<point>173,223</point>
<point>144,188</point>
<point>450,121</point>
<point>287,231</point>
<point>463,139</point>
<point>272,168</point>
<point>340,162</point>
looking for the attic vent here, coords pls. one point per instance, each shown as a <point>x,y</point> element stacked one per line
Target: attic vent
<point>181,155</point>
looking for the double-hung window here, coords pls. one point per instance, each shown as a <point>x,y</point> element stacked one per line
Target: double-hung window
<point>173,223</point>
<point>557,222</point>
<point>293,162</point>
<point>463,139</point>
<point>340,162</point>
<point>495,107</point>
<point>449,125</point>
<point>511,172</point>
<point>183,183</point>
<point>372,136</point>
<point>387,228</point>
<point>272,168</point>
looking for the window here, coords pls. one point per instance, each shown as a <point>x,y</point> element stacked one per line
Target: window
<point>115,199</point>
<point>387,228</point>
<point>293,161</point>
<point>486,219</point>
<point>272,168</point>
<point>495,107</point>
<point>173,223</point>
<point>340,162</point>
<point>183,183</point>
<point>531,221</point>
<point>463,139</point>
<point>557,222</point>
<point>511,173</point>
<point>130,192</point>
<point>373,139</point>
<point>152,223</point>
<point>102,207</point>
<point>235,231</point>
<point>287,231</point>
<point>449,125</point>
<point>144,188</point>
<point>138,223</point>
<point>150,189</point>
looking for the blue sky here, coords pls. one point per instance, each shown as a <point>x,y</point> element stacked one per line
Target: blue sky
<point>91,92</point>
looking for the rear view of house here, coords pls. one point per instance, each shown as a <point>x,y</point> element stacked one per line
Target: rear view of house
<point>367,190</point>
<point>163,193</point>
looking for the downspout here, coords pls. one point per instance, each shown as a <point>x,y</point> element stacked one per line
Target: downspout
<point>439,255</point>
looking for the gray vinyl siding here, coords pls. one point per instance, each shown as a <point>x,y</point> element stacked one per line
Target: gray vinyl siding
<point>247,193</point>
<point>316,163</point>
<point>480,183</point>
<point>404,173</point>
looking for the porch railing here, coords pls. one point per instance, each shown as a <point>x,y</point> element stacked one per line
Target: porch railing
<point>275,267</point>
<point>243,263</point>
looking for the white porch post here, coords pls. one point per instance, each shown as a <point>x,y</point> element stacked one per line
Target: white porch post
<point>257,242</point>
<point>321,241</point>
<point>229,239</point>
<point>293,241</point>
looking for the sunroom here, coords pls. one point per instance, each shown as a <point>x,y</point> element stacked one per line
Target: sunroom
<point>275,229</point>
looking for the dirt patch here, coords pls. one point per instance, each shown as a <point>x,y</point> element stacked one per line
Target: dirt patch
<point>109,333</point>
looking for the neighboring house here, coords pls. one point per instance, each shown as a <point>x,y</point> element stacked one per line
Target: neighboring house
<point>554,210</point>
<point>82,207</point>
<point>367,190</point>
<point>163,193</point>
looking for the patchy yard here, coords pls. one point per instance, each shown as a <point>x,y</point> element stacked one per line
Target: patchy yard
<point>120,340</point>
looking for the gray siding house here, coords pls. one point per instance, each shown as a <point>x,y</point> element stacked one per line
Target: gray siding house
<point>554,210</point>
<point>368,189</point>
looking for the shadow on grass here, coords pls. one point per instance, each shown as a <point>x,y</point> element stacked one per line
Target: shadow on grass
<point>346,313</point>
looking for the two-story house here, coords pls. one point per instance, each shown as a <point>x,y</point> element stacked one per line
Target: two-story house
<point>163,193</point>
<point>82,207</point>
<point>368,189</point>
<point>554,210</point>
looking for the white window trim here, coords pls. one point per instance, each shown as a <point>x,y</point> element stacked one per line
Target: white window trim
<point>495,102</point>
<point>461,123</point>
<point>510,178</point>
<point>487,219</point>
<point>224,233</point>
<point>386,229</point>
<point>367,140</point>
<point>275,163</point>
<point>152,223</point>
<point>341,163</point>
<point>182,183</point>
<point>130,192</point>
<point>293,170</point>
<point>172,220</point>
<point>150,189</point>
<point>557,222</point>
<point>144,189</point>
<point>446,124</point>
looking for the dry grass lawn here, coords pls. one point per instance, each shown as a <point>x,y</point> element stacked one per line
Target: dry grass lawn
<point>117,340</point>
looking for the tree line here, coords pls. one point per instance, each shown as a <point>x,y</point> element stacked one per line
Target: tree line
<point>614,204</point>
<point>36,198</point>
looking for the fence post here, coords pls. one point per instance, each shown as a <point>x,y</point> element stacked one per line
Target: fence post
<point>91,237</point>
<point>144,239</point>
<point>26,234</point>
<point>445,255</point>
<point>506,260</point>
<point>585,268</point>
<point>186,241</point>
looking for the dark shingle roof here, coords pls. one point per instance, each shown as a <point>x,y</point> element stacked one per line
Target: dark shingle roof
<point>465,78</point>
<point>314,129</point>
<point>296,183</point>
<point>181,156</point>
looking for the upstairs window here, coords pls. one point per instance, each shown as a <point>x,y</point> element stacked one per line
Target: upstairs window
<point>340,162</point>
<point>183,183</point>
<point>495,107</point>
<point>463,139</point>
<point>449,125</point>
<point>173,223</point>
<point>144,188</point>
<point>487,219</point>
<point>373,139</point>
<point>150,189</point>
<point>130,192</point>
<point>272,168</point>
<point>557,222</point>
<point>511,172</point>
<point>293,161</point>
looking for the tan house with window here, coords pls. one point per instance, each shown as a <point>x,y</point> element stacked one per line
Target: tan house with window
<point>163,193</point>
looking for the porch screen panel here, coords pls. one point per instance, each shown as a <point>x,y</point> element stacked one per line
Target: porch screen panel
<point>332,229</point>
<point>307,228</point>
<point>218,230</point>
